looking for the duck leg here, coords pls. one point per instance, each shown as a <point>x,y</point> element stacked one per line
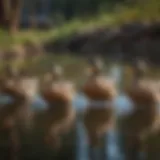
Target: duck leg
<point>14,144</point>
<point>94,141</point>
<point>103,148</point>
<point>92,153</point>
<point>133,149</point>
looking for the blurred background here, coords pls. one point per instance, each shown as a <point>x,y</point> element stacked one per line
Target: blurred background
<point>36,33</point>
<point>118,29</point>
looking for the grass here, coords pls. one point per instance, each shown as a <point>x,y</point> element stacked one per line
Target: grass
<point>122,14</point>
<point>75,26</point>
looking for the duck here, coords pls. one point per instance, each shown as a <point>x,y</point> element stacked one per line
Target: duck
<point>16,114</point>
<point>138,123</point>
<point>58,94</point>
<point>100,91</point>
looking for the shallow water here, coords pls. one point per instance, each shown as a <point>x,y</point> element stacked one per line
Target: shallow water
<point>122,106</point>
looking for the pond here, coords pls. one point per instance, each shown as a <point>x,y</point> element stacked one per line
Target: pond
<point>122,106</point>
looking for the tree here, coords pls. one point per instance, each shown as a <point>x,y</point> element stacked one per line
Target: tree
<point>4,8</point>
<point>9,14</point>
<point>15,11</point>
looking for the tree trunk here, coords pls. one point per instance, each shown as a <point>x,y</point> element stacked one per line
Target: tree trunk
<point>10,14</point>
<point>4,13</point>
<point>1,13</point>
<point>15,11</point>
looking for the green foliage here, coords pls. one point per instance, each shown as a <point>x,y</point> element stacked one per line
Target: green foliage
<point>140,11</point>
<point>81,8</point>
<point>82,21</point>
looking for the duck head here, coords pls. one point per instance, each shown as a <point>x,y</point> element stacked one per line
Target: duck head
<point>18,85</point>
<point>56,72</point>
<point>140,68</point>
<point>95,66</point>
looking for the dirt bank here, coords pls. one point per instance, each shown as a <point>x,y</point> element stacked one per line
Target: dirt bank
<point>127,41</point>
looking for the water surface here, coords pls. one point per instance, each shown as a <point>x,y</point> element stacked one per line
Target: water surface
<point>122,106</point>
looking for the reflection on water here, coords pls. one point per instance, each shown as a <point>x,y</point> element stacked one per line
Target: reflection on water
<point>122,106</point>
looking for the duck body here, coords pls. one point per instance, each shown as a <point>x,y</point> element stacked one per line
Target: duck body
<point>98,117</point>
<point>59,98</point>
<point>145,108</point>
<point>99,88</point>
<point>21,91</point>
<point>142,120</point>
<point>60,113</point>
<point>62,91</point>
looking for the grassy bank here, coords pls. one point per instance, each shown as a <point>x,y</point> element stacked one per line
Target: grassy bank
<point>141,12</point>
<point>75,26</point>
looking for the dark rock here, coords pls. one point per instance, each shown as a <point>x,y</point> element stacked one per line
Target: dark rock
<point>130,40</point>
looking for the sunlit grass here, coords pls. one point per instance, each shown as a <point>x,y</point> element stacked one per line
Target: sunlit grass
<point>75,26</point>
<point>141,12</point>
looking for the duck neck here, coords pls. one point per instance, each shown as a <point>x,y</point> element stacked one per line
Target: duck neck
<point>56,78</point>
<point>19,102</point>
<point>138,76</point>
<point>95,74</point>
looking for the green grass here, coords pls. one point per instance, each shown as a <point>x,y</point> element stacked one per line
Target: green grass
<point>75,26</point>
<point>143,12</point>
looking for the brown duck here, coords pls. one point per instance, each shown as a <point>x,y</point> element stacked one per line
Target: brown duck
<point>58,94</point>
<point>143,117</point>
<point>16,114</point>
<point>22,90</point>
<point>98,118</point>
